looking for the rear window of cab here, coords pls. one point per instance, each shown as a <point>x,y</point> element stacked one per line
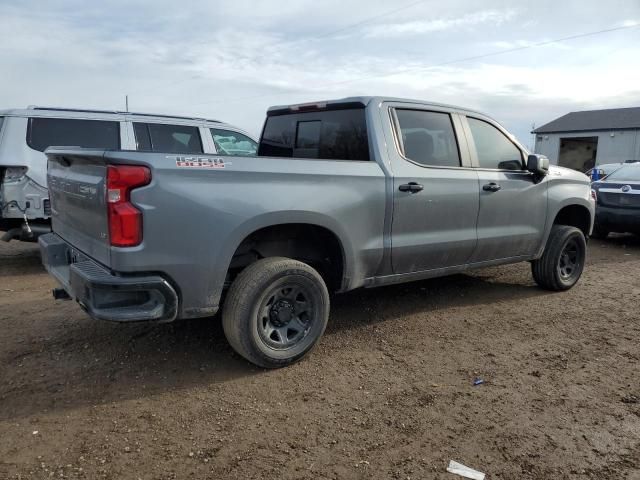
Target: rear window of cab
<point>326,135</point>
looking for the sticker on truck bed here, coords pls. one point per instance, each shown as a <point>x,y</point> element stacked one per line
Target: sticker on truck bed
<point>200,162</point>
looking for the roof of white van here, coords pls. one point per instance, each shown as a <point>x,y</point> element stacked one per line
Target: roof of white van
<point>35,111</point>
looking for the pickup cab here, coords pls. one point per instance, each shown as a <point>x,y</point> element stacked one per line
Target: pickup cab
<point>350,193</point>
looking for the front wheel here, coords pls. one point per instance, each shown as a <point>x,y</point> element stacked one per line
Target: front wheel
<point>562,262</point>
<point>276,311</point>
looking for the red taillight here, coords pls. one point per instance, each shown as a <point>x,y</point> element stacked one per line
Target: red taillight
<point>125,220</point>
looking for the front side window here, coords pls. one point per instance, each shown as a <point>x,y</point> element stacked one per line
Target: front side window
<point>159,137</point>
<point>66,132</point>
<point>233,143</point>
<point>428,138</point>
<point>326,134</point>
<point>494,149</point>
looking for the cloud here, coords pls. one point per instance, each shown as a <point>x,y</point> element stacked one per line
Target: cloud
<point>524,44</point>
<point>231,59</point>
<point>419,27</point>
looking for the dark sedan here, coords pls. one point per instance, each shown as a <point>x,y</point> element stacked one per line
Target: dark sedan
<point>618,202</point>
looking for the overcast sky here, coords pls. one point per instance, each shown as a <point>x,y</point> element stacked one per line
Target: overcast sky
<point>231,59</point>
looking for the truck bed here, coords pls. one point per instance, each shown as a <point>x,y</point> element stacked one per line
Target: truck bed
<point>198,209</point>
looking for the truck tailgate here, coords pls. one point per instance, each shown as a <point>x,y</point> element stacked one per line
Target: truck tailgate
<point>78,200</point>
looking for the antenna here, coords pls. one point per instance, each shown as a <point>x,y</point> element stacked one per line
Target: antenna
<point>126,103</point>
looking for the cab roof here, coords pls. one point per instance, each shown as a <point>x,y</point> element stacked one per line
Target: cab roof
<point>362,101</point>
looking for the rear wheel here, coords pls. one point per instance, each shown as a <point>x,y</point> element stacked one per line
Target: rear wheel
<point>276,311</point>
<point>562,262</point>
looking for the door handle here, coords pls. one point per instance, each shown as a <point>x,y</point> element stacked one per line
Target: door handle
<point>491,187</point>
<point>412,187</point>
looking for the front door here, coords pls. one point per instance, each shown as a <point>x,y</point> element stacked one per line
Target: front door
<point>435,192</point>
<point>513,203</point>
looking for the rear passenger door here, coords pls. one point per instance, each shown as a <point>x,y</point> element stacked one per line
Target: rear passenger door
<point>435,191</point>
<point>513,204</point>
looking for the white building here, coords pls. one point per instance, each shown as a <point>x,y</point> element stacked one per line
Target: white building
<point>581,140</point>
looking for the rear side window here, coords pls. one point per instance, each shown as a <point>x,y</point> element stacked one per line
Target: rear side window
<point>229,142</point>
<point>47,132</point>
<point>428,138</point>
<point>494,149</point>
<point>328,135</point>
<point>158,137</point>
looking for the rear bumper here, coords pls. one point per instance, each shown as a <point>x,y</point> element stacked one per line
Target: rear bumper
<point>618,219</point>
<point>103,295</point>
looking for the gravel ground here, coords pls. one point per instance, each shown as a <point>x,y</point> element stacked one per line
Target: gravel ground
<point>387,394</point>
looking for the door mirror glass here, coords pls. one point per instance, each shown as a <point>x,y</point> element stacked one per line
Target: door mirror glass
<point>538,164</point>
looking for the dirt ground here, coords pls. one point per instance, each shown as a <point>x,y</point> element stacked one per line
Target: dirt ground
<point>387,394</point>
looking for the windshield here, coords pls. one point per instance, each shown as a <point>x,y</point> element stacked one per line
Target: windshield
<point>627,174</point>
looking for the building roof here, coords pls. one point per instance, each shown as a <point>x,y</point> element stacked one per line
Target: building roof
<point>609,119</point>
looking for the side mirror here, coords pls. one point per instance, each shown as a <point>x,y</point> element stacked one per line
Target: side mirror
<point>538,164</point>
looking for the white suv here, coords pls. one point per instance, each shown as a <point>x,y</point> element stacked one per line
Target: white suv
<point>26,133</point>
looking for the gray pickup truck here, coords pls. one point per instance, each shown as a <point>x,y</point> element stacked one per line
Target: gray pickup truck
<point>358,192</point>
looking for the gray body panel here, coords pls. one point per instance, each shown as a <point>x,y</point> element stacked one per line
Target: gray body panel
<point>511,221</point>
<point>79,193</point>
<point>194,219</point>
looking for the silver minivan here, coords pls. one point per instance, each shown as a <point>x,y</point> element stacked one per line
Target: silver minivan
<point>25,133</point>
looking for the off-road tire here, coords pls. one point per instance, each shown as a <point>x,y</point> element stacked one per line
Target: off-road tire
<point>547,270</point>
<point>245,303</point>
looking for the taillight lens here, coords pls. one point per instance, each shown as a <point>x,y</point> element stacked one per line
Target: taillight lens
<point>125,220</point>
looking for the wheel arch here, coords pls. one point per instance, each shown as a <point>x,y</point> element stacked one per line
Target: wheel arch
<point>573,211</point>
<point>299,235</point>
<point>575,215</point>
